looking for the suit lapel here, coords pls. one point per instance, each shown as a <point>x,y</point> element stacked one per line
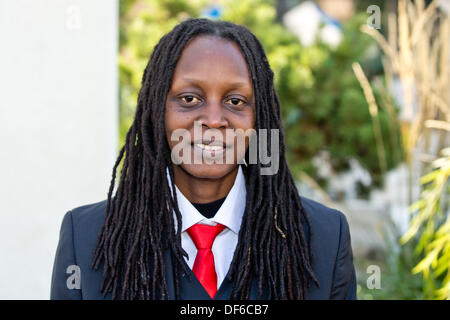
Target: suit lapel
<point>192,289</point>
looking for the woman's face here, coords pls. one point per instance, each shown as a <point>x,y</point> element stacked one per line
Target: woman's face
<point>211,87</point>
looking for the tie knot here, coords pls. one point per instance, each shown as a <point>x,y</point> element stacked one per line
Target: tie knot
<point>203,235</point>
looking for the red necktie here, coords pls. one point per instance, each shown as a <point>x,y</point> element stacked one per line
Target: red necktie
<point>203,237</point>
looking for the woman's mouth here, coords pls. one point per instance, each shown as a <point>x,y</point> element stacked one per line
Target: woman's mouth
<point>209,147</point>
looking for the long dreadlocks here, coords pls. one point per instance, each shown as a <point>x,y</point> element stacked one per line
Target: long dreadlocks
<point>139,225</point>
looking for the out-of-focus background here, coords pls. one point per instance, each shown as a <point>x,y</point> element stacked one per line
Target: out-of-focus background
<point>364,89</point>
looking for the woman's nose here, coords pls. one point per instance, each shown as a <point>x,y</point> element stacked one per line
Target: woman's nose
<point>214,116</point>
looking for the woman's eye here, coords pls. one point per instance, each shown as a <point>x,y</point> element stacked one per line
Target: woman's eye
<point>189,99</point>
<point>236,101</point>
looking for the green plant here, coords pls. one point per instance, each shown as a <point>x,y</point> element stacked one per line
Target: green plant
<point>417,54</point>
<point>431,226</point>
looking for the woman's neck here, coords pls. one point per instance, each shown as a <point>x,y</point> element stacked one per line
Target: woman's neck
<point>201,190</point>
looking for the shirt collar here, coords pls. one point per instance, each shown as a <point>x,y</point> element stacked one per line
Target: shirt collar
<point>230,213</point>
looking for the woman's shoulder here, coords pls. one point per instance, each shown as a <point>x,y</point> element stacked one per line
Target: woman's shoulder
<point>321,214</point>
<point>88,214</point>
<point>85,223</point>
<point>332,250</point>
<point>328,227</point>
<point>78,237</point>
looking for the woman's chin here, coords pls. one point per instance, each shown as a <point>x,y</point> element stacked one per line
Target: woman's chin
<point>209,171</point>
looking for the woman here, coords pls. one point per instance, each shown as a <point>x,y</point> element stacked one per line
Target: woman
<point>182,230</point>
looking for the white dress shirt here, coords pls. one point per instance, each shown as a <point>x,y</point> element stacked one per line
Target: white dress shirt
<point>229,215</point>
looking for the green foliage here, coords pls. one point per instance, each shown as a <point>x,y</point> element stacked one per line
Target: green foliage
<point>430,226</point>
<point>323,105</point>
<point>334,112</point>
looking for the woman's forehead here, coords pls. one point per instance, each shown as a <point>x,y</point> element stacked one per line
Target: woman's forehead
<point>207,55</point>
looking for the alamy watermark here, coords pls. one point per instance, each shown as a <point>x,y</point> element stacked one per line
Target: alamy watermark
<point>74,280</point>
<point>212,146</point>
<point>73,17</point>
<point>374,280</point>
<point>374,20</point>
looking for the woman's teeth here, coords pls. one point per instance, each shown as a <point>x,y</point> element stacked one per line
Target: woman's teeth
<point>209,148</point>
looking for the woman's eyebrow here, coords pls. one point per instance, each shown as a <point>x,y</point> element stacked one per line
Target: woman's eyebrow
<point>236,84</point>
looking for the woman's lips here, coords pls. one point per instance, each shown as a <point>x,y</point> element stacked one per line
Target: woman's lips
<point>210,150</point>
<point>209,147</point>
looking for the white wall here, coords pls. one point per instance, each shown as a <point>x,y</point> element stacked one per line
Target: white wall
<point>58,127</point>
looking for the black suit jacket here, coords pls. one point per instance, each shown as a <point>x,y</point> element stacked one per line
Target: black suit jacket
<point>330,236</point>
